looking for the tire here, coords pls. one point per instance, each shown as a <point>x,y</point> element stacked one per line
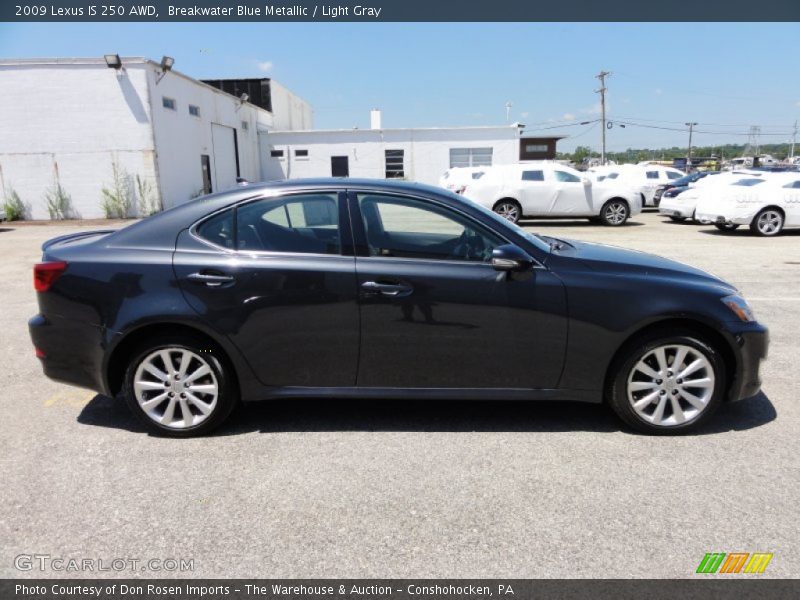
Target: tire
<point>678,219</point>
<point>768,222</point>
<point>509,209</point>
<point>630,386</point>
<point>206,368</point>
<point>726,226</point>
<point>614,213</point>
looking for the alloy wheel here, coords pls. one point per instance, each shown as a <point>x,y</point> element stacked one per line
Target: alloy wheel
<point>671,385</point>
<point>508,210</point>
<point>616,213</point>
<point>769,222</point>
<point>176,388</point>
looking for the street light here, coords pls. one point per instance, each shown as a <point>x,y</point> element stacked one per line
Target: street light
<point>113,61</point>
<point>166,65</point>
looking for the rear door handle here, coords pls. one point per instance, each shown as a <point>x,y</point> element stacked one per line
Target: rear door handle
<point>395,290</point>
<point>211,279</point>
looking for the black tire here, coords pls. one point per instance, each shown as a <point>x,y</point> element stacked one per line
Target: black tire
<point>227,390</point>
<point>504,209</point>
<point>621,370</point>
<point>615,213</point>
<point>677,219</point>
<point>762,214</point>
<point>726,226</point>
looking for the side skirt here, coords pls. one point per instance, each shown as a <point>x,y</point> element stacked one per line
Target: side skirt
<point>380,393</point>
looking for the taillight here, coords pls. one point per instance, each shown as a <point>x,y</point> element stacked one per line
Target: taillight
<point>45,274</point>
<point>40,353</point>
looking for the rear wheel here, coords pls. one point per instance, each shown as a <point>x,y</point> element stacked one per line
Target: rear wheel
<point>614,213</point>
<point>179,386</point>
<point>726,226</point>
<point>768,222</point>
<point>508,209</point>
<point>667,384</point>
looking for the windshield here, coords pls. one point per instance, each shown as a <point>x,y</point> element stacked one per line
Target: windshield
<point>533,238</point>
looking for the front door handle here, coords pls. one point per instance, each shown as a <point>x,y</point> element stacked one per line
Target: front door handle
<point>395,290</point>
<point>211,279</point>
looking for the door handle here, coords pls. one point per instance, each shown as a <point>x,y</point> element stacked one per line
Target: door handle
<point>395,290</point>
<point>211,279</point>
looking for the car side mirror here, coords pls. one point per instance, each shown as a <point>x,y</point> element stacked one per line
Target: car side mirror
<point>509,257</point>
<point>586,181</point>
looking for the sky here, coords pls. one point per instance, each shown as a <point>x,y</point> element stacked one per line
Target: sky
<point>726,77</point>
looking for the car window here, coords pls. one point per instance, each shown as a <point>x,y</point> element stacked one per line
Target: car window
<point>652,174</point>
<point>568,177</point>
<point>477,175</point>
<point>533,176</point>
<point>793,184</point>
<point>748,182</point>
<point>673,175</point>
<point>612,175</point>
<point>307,223</point>
<point>410,228</point>
<point>218,229</point>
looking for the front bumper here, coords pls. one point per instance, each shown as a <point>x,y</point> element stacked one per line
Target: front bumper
<point>715,217</point>
<point>750,344</point>
<point>671,209</point>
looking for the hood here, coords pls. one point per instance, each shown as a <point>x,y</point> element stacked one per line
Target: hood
<point>614,260</point>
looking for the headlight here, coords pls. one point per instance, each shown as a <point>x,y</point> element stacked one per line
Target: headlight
<point>740,307</point>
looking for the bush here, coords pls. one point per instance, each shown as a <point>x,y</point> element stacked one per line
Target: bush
<point>15,208</point>
<point>59,203</point>
<point>148,200</point>
<point>118,199</point>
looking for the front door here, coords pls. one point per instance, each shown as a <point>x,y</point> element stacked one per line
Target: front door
<point>572,196</point>
<point>278,285</point>
<point>435,313</point>
<point>340,166</point>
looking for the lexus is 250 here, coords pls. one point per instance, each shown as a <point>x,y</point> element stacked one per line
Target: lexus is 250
<point>374,289</point>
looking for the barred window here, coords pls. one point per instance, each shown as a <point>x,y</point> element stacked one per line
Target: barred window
<point>395,164</point>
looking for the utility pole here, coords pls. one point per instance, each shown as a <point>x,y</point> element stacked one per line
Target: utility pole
<point>602,91</point>
<point>691,126</point>
<point>509,104</point>
<point>794,139</point>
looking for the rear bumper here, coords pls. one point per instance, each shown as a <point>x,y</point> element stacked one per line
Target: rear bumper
<point>751,345</point>
<point>71,351</point>
<point>674,210</point>
<point>714,217</point>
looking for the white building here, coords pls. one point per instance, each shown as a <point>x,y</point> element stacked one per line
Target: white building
<point>71,121</point>
<point>420,155</point>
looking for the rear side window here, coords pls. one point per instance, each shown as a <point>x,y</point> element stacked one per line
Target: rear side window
<point>306,224</point>
<point>793,184</point>
<point>652,174</point>
<point>612,175</point>
<point>533,176</point>
<point>218,229</point>
<point>673,175</point>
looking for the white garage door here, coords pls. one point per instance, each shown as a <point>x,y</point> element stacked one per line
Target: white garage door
<point>224,157</point>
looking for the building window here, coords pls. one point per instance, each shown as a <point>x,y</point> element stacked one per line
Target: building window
<point>470,157</point>
<point>301,153</point>
<point>276,153</point>
<point>245,125</point>
<point>395,164</point>
<point>536,148</point>
<point>168,103</point>
<point>194,110</point>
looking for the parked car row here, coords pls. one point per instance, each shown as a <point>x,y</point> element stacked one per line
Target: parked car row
<point>545,189</point>
<point>766,202</point>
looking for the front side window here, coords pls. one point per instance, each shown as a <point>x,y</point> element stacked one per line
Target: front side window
<point>673,175</point>
<point>793,184</point>
<point>306,223</point>
<point>533,176</point>
<point>612,175</point>
<point>410,228</point>
<point>567,177</point>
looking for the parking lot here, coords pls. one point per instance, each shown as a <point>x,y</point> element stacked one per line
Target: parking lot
<point>411,489</point>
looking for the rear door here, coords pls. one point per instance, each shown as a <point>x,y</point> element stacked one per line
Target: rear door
<point>435,313</point>
<point>537,192</point>
<point>274,275</point>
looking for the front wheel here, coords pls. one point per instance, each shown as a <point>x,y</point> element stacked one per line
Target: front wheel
<point>768,222</point>
<point>726,226</point>
<point>666,384</point>
<point>509,210</point>
<point>179,386</point>
<point>614,213</point>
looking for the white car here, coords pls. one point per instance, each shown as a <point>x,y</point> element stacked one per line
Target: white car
<point>768,204</point>
<point>683,205</point>
<point>549,189</point>
<point>456,178</point>
<point>645,178</point>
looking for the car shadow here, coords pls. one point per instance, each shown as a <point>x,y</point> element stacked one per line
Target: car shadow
<point>4,229</point>
<point>744,231</point>
<point>315,415</point>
